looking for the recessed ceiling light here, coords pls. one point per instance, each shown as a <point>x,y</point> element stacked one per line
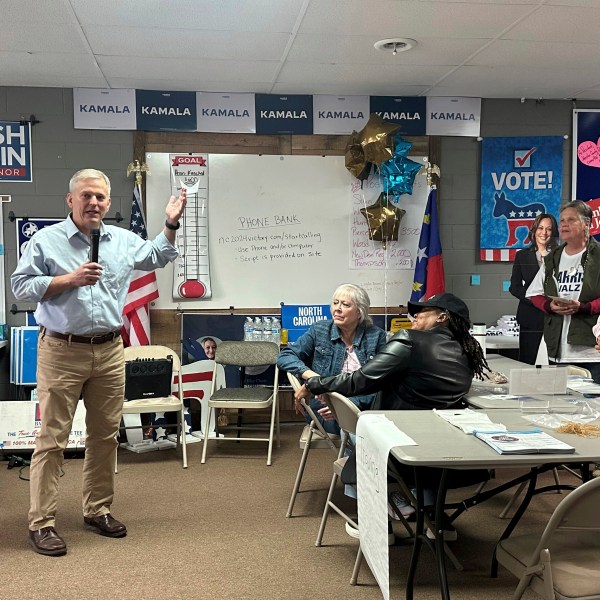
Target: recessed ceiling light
<point>395,45</point>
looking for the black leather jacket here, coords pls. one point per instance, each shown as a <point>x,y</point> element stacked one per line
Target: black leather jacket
<point>415,370</point>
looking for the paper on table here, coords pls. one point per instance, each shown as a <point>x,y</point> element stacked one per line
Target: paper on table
<point>583,386</point>
<point>524,442</point>
<point>469,420</point>
<point>389,430</point>
<point>376,435</point>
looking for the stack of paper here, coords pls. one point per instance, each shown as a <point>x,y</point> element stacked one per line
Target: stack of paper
<point>524,442</point>
<point>584,386</point>
<point>468,420</point>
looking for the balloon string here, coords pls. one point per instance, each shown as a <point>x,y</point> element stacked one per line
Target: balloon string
<point>364,199</point>
<point>385,274</point>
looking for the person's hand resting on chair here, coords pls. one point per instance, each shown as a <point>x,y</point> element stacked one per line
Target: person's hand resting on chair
<point>304,394</point>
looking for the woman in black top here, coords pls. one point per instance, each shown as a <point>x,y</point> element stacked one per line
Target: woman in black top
<point>544,237</point>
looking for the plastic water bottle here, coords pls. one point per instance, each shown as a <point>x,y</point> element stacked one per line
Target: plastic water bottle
<point>248,329</point>
<point>266,336</point>
<point>276,331</point>
<point>258,330</point>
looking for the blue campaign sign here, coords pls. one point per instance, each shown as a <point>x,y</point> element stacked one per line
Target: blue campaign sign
<point>165,111</point>
<point>521,177</point>
<point>276,114</point>
<point>23,355</point>
<point>408,112</point>
<point>15,151</point>
<point>297,318</point>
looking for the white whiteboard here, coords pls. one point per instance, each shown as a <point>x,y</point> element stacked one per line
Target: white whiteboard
<point>280,230</point>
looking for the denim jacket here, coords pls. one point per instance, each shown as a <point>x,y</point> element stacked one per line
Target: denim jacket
<point>323,350</point>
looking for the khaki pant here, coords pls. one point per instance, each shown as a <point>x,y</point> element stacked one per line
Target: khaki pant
<point>65,372</point>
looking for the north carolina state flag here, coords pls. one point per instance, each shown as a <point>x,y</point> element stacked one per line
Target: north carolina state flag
<point>429,270</point>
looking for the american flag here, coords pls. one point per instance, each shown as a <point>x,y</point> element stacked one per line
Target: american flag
<point>142,289</point>
<point>429,270</point>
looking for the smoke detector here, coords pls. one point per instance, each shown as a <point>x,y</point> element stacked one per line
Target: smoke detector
<point>395,45</point>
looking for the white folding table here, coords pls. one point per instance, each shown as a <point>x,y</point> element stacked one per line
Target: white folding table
<point>446,447</point>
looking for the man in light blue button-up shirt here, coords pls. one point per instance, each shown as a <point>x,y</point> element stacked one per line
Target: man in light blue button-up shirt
<point>80,351</point>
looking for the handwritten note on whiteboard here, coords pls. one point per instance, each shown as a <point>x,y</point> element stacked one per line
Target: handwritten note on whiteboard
<point>397,255</point>
<point>273,238</point>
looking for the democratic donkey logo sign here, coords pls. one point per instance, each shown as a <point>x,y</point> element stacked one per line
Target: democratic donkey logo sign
<point>521,178</point>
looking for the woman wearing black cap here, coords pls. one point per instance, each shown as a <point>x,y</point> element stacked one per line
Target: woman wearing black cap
<point>431,365</point>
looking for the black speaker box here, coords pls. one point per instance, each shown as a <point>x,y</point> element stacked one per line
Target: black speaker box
<point>148,378</point>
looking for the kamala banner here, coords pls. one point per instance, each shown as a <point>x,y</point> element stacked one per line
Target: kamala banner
<point>104,109</point>
<point>586,155</point>
<point>340,115</point>
<point>15,151</point>
<point>226,113</point>
<point>521,177</point>
<point>453,116</point>
<point>410,113</point>
<point>218,112</point>
<point>166,111</point>
<point>292,113</point>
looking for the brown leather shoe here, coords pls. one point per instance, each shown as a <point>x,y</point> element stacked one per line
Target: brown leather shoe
<point>106,525</point>
<point>47,541</point>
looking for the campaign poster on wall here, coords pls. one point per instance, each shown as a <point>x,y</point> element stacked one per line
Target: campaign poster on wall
<point>15,151</point>
<point>297,318</point>
<point>453,116</point>
<point>292,113</point>
<point>521,177</point>
<point>95,108</point>
<point>165,111</point>
<point>408,112</point>
<point>340,115</point>
<point>586,155</point>
<point>26,228</point>
<point>225,113</point>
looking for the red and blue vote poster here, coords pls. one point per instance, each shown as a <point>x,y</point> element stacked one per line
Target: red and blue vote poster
<point>521,177</point>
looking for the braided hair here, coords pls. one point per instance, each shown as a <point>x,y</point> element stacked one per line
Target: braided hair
<point>460,330</point>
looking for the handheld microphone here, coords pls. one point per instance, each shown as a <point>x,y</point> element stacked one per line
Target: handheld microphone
<point>94,241</point>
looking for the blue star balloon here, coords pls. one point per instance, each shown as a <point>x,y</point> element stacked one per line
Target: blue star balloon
<point>399,175</point>
<point>401,147</point>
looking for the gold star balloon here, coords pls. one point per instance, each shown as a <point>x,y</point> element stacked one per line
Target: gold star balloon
<point>376,139</point>
<point>384,219</point>
<point>355,158</point>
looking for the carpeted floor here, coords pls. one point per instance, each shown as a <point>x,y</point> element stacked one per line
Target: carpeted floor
<point>219,531</point>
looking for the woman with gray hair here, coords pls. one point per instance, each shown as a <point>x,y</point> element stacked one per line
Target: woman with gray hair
<point>340,345</point>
